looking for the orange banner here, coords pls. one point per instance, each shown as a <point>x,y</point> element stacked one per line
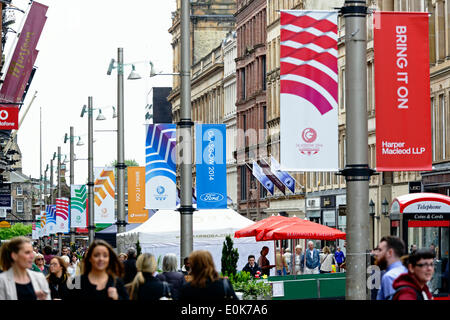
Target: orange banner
<point>136,195</point>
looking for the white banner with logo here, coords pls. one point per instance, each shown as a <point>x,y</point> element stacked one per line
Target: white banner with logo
<point>104,194</point>
<point>78,197</point>
<point>160,167</point>
<point>308,91</point>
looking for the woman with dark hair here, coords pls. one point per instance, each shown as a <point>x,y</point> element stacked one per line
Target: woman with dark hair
<point>100,278</point>
<point>17,281</point>
<point>413,285</point>
<point>264,263</point>
<point>206,283</point>
<point>57,278</point>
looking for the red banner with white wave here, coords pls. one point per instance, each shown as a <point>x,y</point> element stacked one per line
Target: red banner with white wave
<point>308,91</point>
<point>402,91</point>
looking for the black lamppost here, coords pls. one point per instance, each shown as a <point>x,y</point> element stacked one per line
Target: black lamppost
<point>372,214</point>
<point>385,207</point>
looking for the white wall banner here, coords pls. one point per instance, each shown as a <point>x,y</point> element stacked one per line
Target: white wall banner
<point>78,196</point>
<point>308,87</point>
<point>104,194</point>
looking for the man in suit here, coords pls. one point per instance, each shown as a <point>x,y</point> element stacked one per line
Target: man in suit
<point>312,259</point>
<point>252,266</point>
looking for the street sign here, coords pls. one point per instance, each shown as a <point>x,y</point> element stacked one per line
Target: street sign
<point>5,224</point>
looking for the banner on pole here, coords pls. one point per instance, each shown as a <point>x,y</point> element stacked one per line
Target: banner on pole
<point>259,174</point>
<point>62,215</point>
<point>272,177</point>
<point>308,86</point>
<point>50,214</point>
<point>38,226</point>
<point>34,234</point>
<point>78,196</point>
<point>9,118</point>
<point>283,176</point>
<point>24,54</point>
<point>104,195</point>
<point>211,167</point>
<point>402,91</point>
<point>44,230</point>
<point>160,166</point>
<point>136,195</point>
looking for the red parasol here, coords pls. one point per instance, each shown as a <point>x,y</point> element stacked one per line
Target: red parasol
<point>262,230</point>
<point>251,230</point>
<point>302,229</point>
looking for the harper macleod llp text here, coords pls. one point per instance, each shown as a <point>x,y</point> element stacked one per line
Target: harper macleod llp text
<point>400,148</point>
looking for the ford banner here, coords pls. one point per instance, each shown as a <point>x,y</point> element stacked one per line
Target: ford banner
<point>211,167</point>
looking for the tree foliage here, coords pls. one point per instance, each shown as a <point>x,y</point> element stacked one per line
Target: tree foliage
<point>18,229</point>
<point>230,257</point>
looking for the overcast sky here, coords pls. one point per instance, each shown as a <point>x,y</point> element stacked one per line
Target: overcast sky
<point>78,41</point>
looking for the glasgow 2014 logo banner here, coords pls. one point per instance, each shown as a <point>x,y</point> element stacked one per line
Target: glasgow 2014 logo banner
<point>211,167</point>
<point>78,196</point>
<point>160,166</point>
<point>308,87</point>
<point>104,194</point>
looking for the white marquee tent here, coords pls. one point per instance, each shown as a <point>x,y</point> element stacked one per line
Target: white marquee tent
<point>161,234</point>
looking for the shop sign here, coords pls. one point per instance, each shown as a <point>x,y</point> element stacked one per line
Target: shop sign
<point>427,216</point>
<point>428,207</point>
<point>328,202</point>
<point>415,186</point>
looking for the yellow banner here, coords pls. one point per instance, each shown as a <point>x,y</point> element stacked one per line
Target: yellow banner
<point>136,195</point>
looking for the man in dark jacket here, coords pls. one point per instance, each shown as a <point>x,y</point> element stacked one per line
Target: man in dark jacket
<point>251,266</point>
<point>413,285</point>
<point>130,266</point>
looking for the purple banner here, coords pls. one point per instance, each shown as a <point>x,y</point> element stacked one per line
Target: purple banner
<point>24,55</point>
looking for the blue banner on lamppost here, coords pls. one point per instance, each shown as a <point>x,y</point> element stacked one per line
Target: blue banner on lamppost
<point>211,167</point>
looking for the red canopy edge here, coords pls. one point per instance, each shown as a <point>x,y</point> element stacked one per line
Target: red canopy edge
<point>250,230</point>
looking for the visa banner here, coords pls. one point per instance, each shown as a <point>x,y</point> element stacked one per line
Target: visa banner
<point>211,167</point>
<point>160,166</point>
<point>136,195</point>
<point>402,91</point>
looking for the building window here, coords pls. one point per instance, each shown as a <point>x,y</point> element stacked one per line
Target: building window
<point>264,73</point>
<point>243,83</point>
<point>19,191</point>
<point>243,183</point>
<point>433,128</point>
<point>19,206</point>
<point>262,192</point>
<point>443,125</point>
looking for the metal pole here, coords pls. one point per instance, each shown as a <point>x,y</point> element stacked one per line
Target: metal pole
<point>121,223</point>
<point>40,158</point>
<point>91,172</point>
<point>52,200</point>
<point>59,196</point>
<point>184,137</point>
<point>72,230</point>
<point>357,171</point>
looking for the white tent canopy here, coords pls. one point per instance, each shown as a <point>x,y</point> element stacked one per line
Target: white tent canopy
<point>161,234</point>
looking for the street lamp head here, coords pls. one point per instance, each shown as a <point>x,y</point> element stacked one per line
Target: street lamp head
<point>371,208</point>
<point>80,142</point>
<point>54,155</point>
<point>133,74</point>
<point>83,111</point>
<point>114,112</point>
<point>100,116</point>
<point>385,207</point>
<point>111,67</point>
<point>152,70</point>
<point>65,138</point>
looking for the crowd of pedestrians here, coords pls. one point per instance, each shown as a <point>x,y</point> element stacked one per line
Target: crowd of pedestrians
<point>101,274</point>
<point>403,277</point>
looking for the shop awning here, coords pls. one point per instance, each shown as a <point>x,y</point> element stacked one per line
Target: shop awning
<point>252,231</point>
<point>302,229</point>
<point>424,202</point>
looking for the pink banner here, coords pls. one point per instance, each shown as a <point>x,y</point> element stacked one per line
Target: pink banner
<point>24,54</point>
